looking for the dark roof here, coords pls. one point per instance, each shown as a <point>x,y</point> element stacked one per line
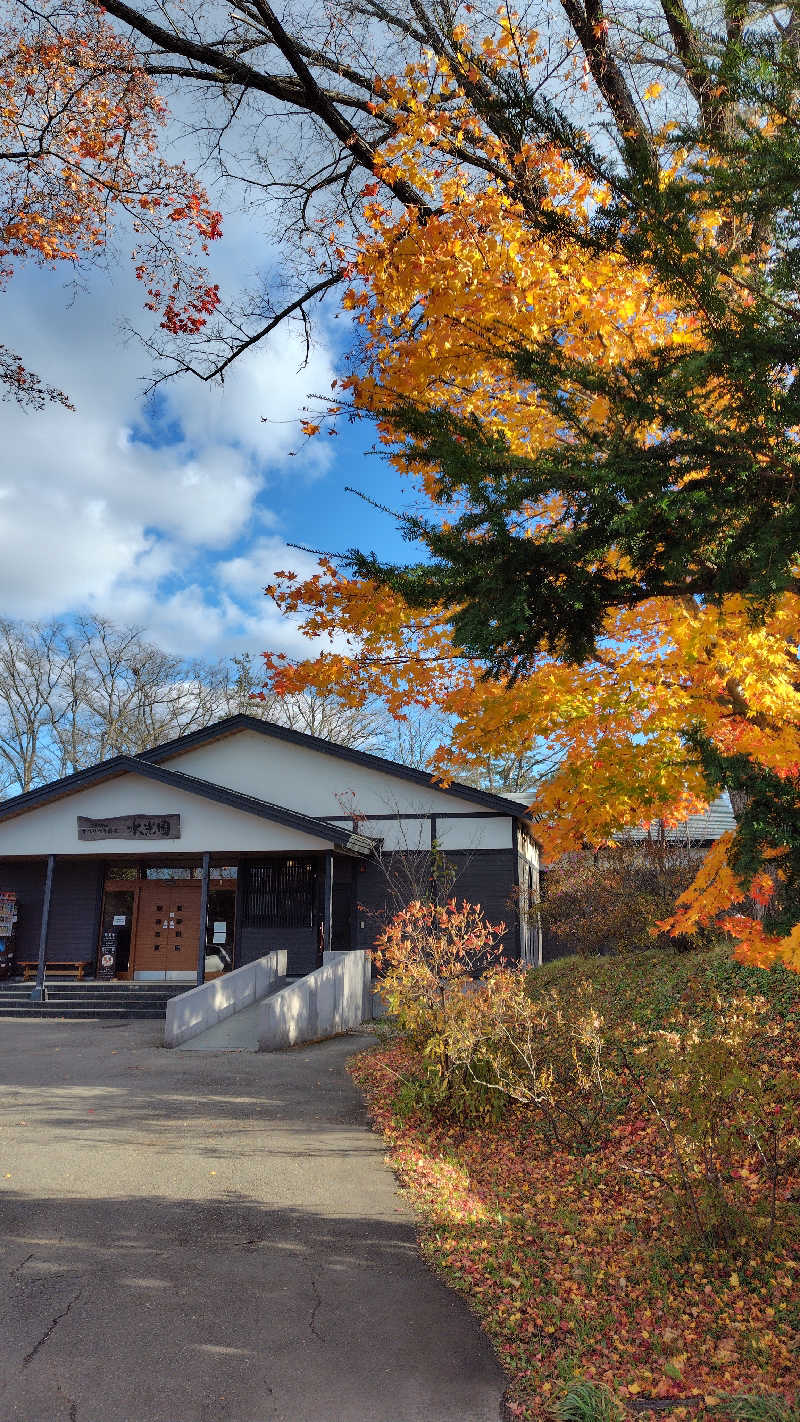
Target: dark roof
<point>231,724</point>
<point>135,765</point>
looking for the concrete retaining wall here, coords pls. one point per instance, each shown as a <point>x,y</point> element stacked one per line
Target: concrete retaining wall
<point>334,998</point>
<point>202,1007</point>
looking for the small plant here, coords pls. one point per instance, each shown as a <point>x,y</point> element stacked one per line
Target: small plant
<point>752,1408</point>
<point>587,1402</point>
<point>550,1054</point>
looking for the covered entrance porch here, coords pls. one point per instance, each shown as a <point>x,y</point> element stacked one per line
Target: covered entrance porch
<point>151,917</point>
<point>177,922</point>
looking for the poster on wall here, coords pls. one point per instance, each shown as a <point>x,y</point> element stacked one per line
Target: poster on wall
<point>130,827</point>
<point>108,953</point>
<point>8,912</point>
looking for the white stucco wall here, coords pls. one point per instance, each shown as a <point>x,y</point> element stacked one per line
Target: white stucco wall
<point>53,828</point>
<point>495,833</point>
<point>397,834</point>
<point>451,833</point>
<point>322,785</point>
<point>306,779</point>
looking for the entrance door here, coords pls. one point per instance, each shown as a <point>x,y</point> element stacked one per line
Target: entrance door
<point>167,928</point>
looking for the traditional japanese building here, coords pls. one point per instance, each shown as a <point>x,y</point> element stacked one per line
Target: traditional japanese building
<point>209,851</point>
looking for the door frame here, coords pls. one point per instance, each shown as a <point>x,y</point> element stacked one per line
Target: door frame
<point>141,881</point>
<point>127,886</point>
<point>167,886</point>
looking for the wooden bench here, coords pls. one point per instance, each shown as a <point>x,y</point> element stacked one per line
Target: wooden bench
<point>73,970</point>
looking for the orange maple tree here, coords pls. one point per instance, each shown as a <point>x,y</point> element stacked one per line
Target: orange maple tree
<point>79,127</point>
<point>443,304</point>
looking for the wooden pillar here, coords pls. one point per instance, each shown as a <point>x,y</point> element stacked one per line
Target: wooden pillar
<point>38,992</point>
<point>518,892</point>
<point>238,911</point>
<point>201,947</point>
<point>355,936</point>
<point>327,904</point>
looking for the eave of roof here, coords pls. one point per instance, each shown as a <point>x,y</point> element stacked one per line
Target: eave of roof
<point>242,722</point>
<point>135,765</point>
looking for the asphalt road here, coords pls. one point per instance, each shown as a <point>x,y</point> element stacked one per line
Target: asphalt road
<point>192,1238</point>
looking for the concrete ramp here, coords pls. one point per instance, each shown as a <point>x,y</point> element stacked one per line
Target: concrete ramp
<point>256,1008</point>
<point>203,1008</point>
<point>237,1033</point>
<point>336,998</point>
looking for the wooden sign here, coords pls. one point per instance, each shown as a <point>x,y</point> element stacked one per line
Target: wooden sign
<point>130,827</point>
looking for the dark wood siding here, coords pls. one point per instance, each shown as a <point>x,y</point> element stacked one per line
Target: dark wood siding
<point>75,911</point>
<point>344,895</point>
<point>255,937</point>
<point>482,876</point>
<point>300,944</point>
<point>26,878</point>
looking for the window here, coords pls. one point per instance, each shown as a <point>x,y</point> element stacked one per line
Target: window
<point>280,894</point>
<point>189,871</point>
<point>173,871</point>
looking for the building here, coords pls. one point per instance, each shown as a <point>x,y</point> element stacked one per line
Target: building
<point>697,832</point>
<point>209,851</point>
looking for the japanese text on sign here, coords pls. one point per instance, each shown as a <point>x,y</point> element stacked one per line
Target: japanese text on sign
<point>130,827</point>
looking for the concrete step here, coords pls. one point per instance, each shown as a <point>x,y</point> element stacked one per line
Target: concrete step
<point>103,984</point>
<point>89,1000</point>
<point>51,1009</point>
<point>77,994</point>
<point>95,1000</point>
<point>91,990</point>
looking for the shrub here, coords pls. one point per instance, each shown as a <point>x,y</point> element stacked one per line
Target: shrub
<point>577,1055</point>
<point>430,957</point>
<point>611,901</point>
<point>550,1054</point>
<point>728,1127</point>
<point>483,1040</point>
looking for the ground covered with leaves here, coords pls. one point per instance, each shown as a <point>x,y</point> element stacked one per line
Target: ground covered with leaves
<point>578,1263</point>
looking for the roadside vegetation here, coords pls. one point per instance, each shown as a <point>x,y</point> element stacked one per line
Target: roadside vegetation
<point>605,1160</point>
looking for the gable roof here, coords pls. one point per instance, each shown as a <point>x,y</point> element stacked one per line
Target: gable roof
<point>231,724</point>
<point>712,824</point>
<point>135,765</point>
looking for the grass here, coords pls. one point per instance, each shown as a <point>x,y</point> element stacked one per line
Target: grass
<point>587,1402</point>
<point>646,988</point>
<point>594,1299</point>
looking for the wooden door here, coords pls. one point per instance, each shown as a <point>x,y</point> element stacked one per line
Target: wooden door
<point>167,927</point>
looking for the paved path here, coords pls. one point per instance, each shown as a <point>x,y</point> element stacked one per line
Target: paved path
<point>191,1238</point>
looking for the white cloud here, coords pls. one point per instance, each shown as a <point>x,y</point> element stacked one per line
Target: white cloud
<point>96,512</point>
<point>257,567</point>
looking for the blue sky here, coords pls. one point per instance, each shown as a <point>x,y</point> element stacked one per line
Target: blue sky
<point>174,515</point>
